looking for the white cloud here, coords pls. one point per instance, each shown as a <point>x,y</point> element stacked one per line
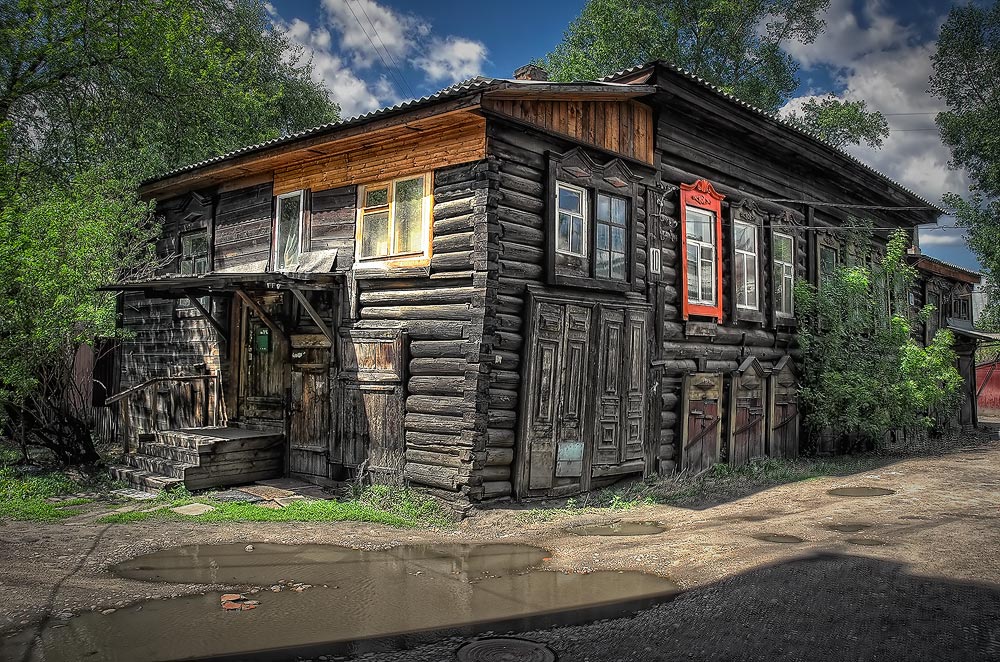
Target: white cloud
<point>452,59</point>
<point>362,50</point>
<point>948,237</point>
<point>845,39</point>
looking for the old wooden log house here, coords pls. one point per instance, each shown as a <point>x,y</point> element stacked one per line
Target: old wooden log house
<point>511,288</point>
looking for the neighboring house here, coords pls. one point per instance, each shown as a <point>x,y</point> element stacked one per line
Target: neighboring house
<point>949,288</point>
<point>510,288</point>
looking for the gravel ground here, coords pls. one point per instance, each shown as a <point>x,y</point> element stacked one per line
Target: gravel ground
<point>931,592</point>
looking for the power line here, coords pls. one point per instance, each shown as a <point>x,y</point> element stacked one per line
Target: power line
<point>391,71</point>
<point>387,51</point>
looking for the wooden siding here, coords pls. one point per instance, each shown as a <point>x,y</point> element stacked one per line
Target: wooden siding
<point>452,140</point>
<point>623,127</point>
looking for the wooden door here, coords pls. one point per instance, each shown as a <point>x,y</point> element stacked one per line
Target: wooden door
<point>701,430</point>
<point>262,393</point>
<point>784,410</point>
<point>370,431</point>
<point>309,406</point>
<point>585,395</point>
<point>747,420</point>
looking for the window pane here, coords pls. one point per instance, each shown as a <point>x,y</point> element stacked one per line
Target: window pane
<point>707,291</point>
<point>576,239</point>
<point>602,236</point>
<point>201,265</point>
<point>287,241</point>
<point>570,200</point>
<point>602,264</point>
<point>618,266</point>
<point>788,294</point>
<point>187,267</point>
<point>692,268</point>
<point>377,197</point>
<point>375,235</point>
<point>618,239</point>
<point>409,199</point>
<point>562,236</point>
<point>779,290</point>
<point>603,208</point>
<point>751,288</point>
<point>782,248</point>
<point>699,225</point>
<point>618,210</point>
<point>199,245</point>
<point>827,260</point>
<point>745,238</point>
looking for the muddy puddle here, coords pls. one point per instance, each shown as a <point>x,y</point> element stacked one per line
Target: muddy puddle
<point>860,491</point>
<point>618,529</point>
<point>848,527</point>
<point>318,598</point>
<point>779,538</point>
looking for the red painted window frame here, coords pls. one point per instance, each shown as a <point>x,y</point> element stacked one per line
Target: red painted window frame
<point>701,195</point>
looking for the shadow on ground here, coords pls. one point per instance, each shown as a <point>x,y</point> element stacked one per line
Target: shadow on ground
<point>827,607</point>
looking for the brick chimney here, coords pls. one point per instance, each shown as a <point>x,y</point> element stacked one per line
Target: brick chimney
<point>530,72</point>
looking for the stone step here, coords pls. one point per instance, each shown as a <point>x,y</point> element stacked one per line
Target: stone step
<point>158,465</point>
<point>143,480</point>
<point>177,453</point>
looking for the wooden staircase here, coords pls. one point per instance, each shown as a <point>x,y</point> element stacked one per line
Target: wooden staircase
<point>202,458</point>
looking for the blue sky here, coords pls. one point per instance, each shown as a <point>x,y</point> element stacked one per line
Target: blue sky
<point>877,50</point>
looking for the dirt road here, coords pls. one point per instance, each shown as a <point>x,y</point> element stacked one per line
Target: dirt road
<point>924,581</point>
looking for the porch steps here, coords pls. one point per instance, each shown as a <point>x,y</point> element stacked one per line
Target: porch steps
<point>202,458</point>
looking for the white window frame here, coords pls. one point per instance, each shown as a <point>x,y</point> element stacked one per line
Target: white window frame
<point>742,258</point>
<point>276,225</point>
<point>390,207</point>
<point>787,275</point>
<point>688,242</point>
<point>582,215</point>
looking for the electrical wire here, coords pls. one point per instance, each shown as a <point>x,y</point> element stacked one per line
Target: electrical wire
<point>387,51</point>
<point>392,72</point>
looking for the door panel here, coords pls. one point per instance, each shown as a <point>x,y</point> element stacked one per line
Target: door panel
<point>747,429</point>
<point>309,421</point>
<point>701,427</point>
<point>264,367</point>
<point>370,431</point>
<point>582,418</point>
<point>784,414</point>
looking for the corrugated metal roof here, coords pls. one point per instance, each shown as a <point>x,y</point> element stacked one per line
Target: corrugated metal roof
<point>924,256</point>
<point>774,117</point>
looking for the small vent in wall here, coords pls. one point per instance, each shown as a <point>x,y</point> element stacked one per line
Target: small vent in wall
<point>654,260</point>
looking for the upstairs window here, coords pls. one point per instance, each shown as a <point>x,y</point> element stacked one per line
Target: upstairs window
<point>745,265</point>
<point>394,219</point>
<point>287,247</point>
<point>783,275</point>
<point>701,227</point>
<point>194,262</point>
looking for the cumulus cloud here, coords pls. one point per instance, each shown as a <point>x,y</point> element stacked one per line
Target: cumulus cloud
<point>881,63</point>
<point>451,59</point>
<point>363,51</point>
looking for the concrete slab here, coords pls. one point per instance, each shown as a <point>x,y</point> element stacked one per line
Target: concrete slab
<point>265,492</point>
<point>193,509</point>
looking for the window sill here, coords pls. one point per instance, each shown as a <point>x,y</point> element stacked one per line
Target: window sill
<point>385,270</point>
<point>593,283</point>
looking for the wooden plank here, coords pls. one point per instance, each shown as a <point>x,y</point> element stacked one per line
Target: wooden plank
<point>264,317</point>
<point>315,316</point>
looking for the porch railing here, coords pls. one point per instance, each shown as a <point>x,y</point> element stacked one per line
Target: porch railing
<point>210,407</point>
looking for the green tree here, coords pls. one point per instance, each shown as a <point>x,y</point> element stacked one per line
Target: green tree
<point>842,122</point>
<point>97,95</point>
<point>967,78</point>
<point>735,45</point>
<point>864,375</point>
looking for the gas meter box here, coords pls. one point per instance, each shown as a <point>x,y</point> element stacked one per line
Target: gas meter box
<point>263,340</point>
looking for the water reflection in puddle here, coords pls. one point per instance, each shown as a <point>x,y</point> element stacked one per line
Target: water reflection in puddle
<point>779,538</point>
<point>366,594</point>
<point>860,491</point>
<point>618,529</point>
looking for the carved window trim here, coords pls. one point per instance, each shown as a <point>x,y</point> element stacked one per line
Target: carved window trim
<point>575,169</point>
<point>702,196</point>
<point>747,213</point>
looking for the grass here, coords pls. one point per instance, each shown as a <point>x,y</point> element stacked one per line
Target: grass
<point>721,483</point>
<point>26,496</point>
<point>380,504</point>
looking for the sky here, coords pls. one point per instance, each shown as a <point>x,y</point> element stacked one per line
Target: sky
<point>374,53</point>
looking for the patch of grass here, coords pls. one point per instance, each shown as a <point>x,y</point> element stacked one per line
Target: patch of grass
<point>609,500</point>
<point>380,504</point>
<point>24,496</point>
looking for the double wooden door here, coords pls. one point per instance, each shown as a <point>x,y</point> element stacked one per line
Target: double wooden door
<point>586,395</point>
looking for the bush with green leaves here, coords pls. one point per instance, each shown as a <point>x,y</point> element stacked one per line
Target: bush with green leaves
<point>864,375</point>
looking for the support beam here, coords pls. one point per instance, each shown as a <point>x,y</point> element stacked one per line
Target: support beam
<point>221,330</point>
<point>255,307</point>
<point>311,311</point>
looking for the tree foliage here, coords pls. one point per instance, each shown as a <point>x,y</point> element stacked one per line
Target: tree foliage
<point>97,95</point>
<point>864,375</point>
<point>735,45</point>
<point>967,78</point>
<point>842,122</point>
